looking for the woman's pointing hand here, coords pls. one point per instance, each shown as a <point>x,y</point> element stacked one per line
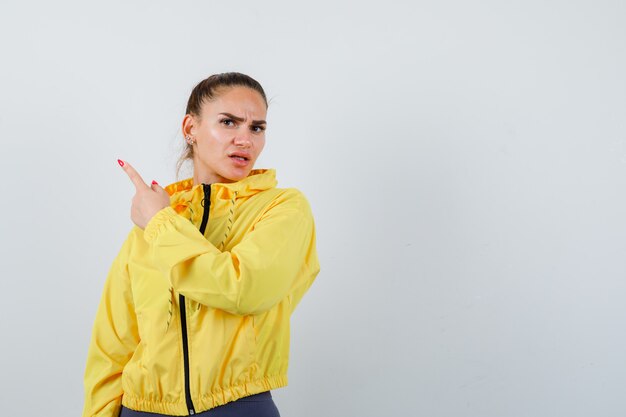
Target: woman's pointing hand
<point>148,200</point>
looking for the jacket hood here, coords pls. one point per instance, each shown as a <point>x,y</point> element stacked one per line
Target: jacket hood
<point>183,192</point>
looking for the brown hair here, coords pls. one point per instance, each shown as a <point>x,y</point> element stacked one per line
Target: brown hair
<point>208,90</point>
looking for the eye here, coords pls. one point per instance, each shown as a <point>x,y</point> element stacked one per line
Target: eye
<point>261,128</point>
<point>225,121</point>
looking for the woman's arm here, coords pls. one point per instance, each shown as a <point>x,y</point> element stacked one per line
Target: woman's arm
<point>113,340</point>
<point>276,259</point>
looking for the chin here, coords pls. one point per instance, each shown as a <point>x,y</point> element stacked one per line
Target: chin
<point>237,176</point>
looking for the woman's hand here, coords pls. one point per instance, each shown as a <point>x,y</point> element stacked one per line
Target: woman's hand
<point>148,200</point>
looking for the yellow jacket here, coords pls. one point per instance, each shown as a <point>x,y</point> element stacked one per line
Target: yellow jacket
<point>195,309</point>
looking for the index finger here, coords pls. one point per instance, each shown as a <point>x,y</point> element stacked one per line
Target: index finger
<point>133,175</point>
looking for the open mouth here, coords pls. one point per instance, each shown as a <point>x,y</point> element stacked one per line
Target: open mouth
<point>241,158</point>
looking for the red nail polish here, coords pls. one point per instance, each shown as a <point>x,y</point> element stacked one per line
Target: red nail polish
<point>154,182</point>
<point>119,161</point>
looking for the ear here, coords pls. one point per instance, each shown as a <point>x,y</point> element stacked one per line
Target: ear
<point>189,125</point>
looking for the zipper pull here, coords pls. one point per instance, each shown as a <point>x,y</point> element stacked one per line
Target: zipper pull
<point>207,194</point>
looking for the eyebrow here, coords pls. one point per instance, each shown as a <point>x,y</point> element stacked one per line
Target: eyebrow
<point>239,119</point>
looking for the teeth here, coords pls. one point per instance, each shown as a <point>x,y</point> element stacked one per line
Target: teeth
<point>240,158</point>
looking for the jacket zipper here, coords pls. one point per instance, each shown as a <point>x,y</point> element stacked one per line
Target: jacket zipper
<point>183,323</point>
<point>206,203</point>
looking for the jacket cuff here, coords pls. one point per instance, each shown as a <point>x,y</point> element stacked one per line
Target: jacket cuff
<point>159,222</point>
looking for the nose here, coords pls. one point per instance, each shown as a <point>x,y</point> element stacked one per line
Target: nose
<point>243,140</point>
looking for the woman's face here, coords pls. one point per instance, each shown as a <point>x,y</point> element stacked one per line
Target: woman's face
<point>229,136</point>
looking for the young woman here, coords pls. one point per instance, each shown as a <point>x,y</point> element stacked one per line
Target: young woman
<point>194,316</point>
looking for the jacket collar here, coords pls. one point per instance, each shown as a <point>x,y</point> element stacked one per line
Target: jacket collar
<point>257,180</point>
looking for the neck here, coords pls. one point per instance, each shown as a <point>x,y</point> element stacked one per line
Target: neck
<point>199,178</point>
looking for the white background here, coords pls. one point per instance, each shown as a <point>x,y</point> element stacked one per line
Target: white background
<point>465,162</point>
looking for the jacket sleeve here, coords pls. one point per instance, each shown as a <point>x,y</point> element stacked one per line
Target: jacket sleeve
<point>277,258</point>
<point>114,339</point>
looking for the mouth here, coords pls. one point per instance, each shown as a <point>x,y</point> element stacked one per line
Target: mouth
<point>240,159</point>
<point>241,156</point>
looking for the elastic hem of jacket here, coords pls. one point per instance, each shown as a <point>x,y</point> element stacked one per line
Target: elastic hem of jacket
<point>208,401</point>
<point>158,222</point>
